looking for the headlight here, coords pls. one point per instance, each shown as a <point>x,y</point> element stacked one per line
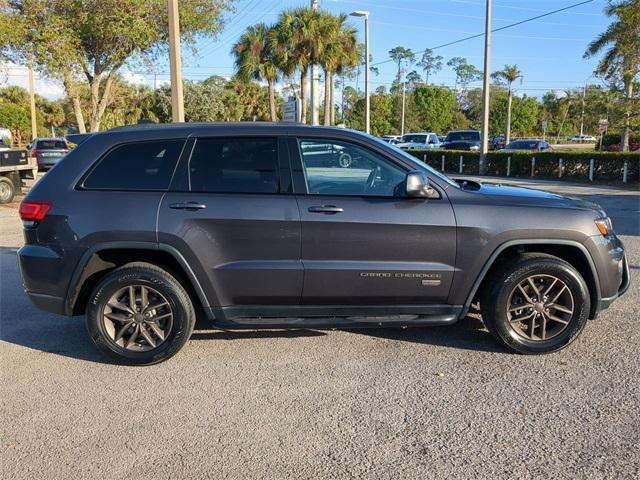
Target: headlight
<point>605,226</point>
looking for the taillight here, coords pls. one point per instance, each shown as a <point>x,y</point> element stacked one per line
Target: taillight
<point>34,210</point>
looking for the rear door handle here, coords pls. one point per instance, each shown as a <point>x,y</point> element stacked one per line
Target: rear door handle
<point>328,209</point>
<point>188,206</point>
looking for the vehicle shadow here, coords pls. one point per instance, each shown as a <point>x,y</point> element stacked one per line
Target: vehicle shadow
<point>467,334</point>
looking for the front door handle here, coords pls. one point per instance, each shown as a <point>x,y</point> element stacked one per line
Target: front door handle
<point>328,209</point>
<point>188,206</point>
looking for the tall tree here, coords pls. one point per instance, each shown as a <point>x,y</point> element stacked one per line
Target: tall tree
<point>255,60</point>
<point>339,50</point>
<point>508,75</point>
<point>403,57</point>
<point>93,39</point>
<point>430,63</point>
<point>620,43</point>
<point>465,72</point>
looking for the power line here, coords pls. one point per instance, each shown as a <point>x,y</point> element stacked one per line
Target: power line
<point>511,25</point>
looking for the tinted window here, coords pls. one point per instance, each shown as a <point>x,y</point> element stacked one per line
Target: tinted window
<point>234,165</point>
<point>342,168</point>
<point>136,166</point>
<point>415,138</point>
<point>522,145</point>
<point>51,144</point>
<point>463,136</point>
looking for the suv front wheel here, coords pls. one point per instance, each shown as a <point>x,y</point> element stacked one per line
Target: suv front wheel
<point>537,304</point>
<point>139,314</point>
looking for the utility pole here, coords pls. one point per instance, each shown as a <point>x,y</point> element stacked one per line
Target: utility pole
<point>315,84</point>
<point>177,99</point>
<point>404,96</point>
<point>584,94</point>
<point>484,145</point>
<point>32,102</point>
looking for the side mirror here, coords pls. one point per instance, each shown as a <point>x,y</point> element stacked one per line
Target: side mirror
<point>417,186</point>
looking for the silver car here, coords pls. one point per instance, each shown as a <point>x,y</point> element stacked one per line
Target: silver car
<point>48,151</point>
<point>419,140</point>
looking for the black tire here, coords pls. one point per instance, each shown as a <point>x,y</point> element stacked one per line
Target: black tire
<point>494,302</point>
<point>7,190</point>
<point>147,275</point>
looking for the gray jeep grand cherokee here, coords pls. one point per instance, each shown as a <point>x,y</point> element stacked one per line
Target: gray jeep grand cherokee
<point>268,226</point>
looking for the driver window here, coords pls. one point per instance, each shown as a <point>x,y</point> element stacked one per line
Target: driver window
<point>334,167</point>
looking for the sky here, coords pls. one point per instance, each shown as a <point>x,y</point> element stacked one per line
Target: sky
<point>548,51</point>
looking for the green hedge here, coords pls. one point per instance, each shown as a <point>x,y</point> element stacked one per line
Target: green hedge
<point>607,165</point>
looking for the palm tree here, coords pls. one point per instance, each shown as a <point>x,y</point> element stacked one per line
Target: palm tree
<point>621,45</point>
<point>296,45</point>
<point>509,74</point>
<point>339,51</point>
<point>255,60</point>
<point>565,101</point>
<point>430,63</point>
<point>399,55</point>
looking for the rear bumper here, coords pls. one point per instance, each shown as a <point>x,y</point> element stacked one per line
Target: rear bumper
<point>47,303</point>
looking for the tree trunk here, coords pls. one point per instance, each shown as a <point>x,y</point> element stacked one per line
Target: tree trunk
<point>272,101</point>
<point>99,99</point>
<point>304,74</point>
<point>327,98</point>
<point>507,137</point>
<point>628,93</point>
<point>75,101</point>
<point>333,102</point>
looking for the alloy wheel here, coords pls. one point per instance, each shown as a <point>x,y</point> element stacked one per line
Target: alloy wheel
<point>137,318</point>
<point>540,307</point>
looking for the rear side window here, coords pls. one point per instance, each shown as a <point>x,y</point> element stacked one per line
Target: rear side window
<point>234,165</point>
<point>136,166</point>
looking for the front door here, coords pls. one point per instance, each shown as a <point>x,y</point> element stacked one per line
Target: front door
<point>232,214</point>
<point>363,242</point>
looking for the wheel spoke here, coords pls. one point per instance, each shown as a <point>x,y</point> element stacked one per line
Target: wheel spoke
<point>522,319</point>
<point>548,289</point>
<point>557,319</point>
<point>117,317</point>
<point>156,329</point>
<point>543,326</point>
<point>144,296</point>
<point>132,297</point>
<point>560,308</point>
<point>119,306</point>
<point>525,294</point>
<point>564,287</point>
<point>133,337</point>
<point>520,307</point>
<point>156,305</point>
<point>161,317</point>
<point>533,286</point>
<point>122,331</point>
<point>147,336</point>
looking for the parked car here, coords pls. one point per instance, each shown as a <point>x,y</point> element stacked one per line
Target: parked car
<point>419,140</point>
<point>462,140</point>
<point>4,146</point>
<point>496,142</point>
<point>583,138</point>
<point>141,227</point>
<point>48,151</point>
<point>531,145</point>
<point>392,139</point>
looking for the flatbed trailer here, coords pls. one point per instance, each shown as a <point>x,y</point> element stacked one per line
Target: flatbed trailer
<point>13,176</point>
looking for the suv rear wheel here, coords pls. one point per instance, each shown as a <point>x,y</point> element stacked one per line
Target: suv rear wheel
<point>139,314</point>
<point>538,304</point>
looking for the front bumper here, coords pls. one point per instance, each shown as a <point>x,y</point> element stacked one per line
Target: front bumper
<point>606,302</point>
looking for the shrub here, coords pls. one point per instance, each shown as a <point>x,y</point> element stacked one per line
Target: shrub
<point>607,165</point>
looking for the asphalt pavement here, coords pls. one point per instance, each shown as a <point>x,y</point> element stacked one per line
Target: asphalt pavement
<point>440,402</point>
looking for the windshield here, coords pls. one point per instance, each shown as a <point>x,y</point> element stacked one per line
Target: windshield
<point>415,138</point>
<point>51,145</point>
<point>420,163</point>
<point>522,145</point>
<point>463,136</point>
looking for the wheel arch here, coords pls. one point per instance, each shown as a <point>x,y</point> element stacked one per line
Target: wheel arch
<point>102,258</point>
<point>571,251</point>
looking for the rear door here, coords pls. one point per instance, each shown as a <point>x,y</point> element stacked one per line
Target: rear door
<point>363,243</point>
<point>232,214</point>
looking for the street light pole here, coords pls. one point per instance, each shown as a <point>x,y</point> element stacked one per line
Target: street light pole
<point>367,94</point>
<point>485,91</point>
<point>175,60</point>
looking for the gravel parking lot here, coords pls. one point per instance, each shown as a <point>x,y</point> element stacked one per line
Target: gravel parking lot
<point>417,403</point>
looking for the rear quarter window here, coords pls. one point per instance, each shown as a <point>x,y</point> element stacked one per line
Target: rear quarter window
<point>136,166</point>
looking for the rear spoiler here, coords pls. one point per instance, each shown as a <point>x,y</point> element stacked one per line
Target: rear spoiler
<point>78,138</point>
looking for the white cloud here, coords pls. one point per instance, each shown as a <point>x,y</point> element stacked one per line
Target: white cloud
<point>12,74</point>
